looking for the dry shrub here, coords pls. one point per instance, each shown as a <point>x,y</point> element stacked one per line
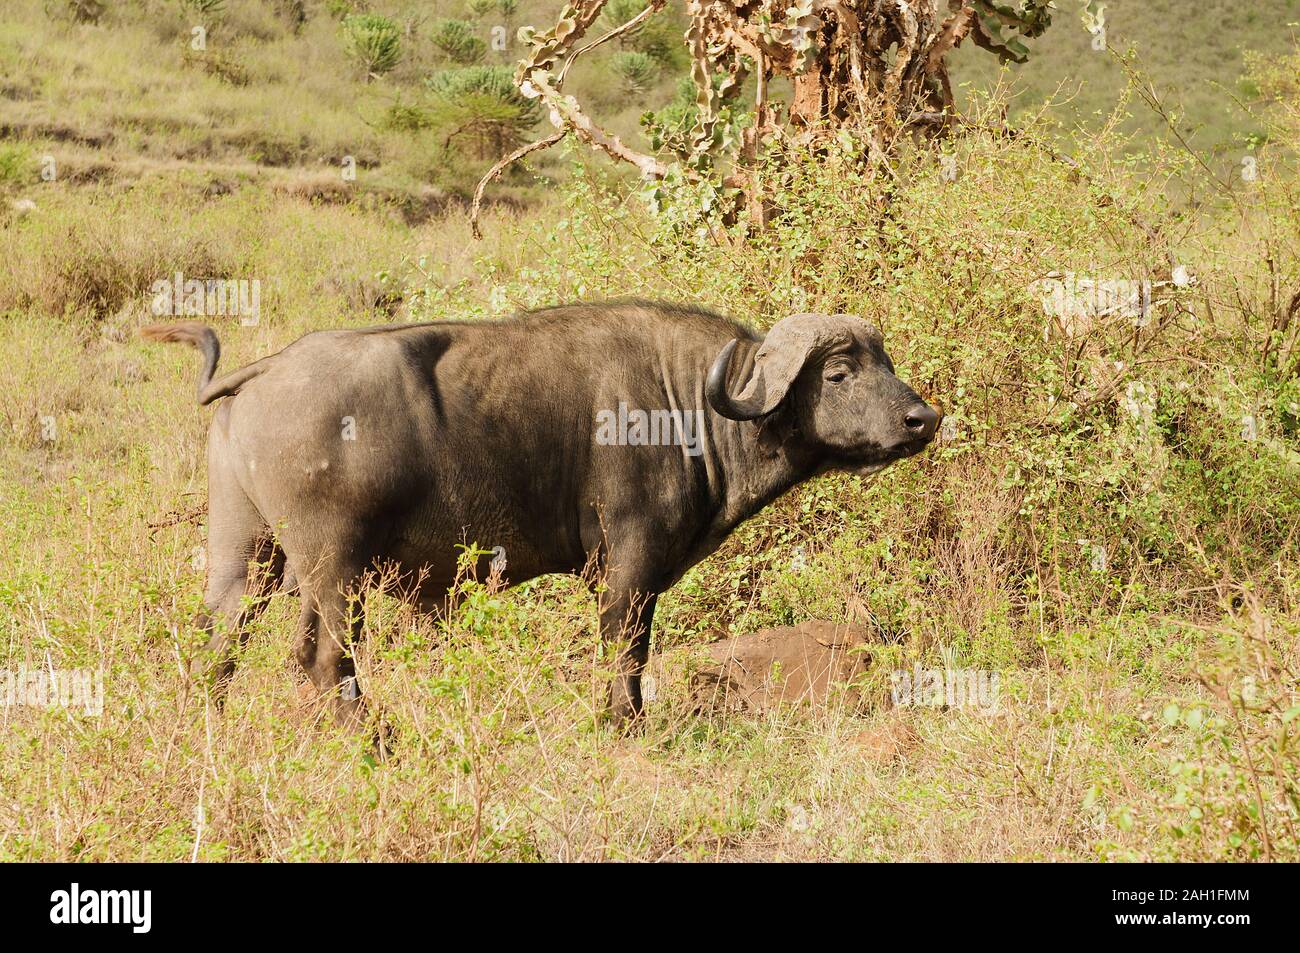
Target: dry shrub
<point>67,262</point>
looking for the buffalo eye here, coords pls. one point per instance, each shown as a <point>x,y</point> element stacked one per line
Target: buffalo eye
<point>837,375</point>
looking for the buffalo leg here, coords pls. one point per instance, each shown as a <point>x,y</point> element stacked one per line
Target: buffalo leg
<point>626,613</point>
<point>244,567</point>
<point>327,628</point>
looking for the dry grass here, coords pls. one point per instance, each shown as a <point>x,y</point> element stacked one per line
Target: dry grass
<point>498,755</point>
<point>1146,707</point>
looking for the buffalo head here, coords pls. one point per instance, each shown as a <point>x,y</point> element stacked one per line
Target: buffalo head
<point>831,375</point>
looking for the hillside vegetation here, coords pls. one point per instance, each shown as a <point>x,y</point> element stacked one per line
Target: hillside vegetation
<point>1109,522</point>
<point>1195,54</point>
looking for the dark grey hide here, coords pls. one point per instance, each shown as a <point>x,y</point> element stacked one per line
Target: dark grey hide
<point>628,438</point>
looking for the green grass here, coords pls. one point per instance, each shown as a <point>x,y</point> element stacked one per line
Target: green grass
<point>1193,54</point>
<point>130,97</point>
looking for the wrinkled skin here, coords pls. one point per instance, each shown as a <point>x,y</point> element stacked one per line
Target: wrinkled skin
<point>350,450</point>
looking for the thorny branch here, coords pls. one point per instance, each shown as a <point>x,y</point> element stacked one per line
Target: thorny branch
<point>877,66</point>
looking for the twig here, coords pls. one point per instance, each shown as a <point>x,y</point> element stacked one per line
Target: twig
<point>500,166</point>
<point>655,7</point>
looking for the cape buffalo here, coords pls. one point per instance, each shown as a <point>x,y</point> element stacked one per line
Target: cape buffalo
<point>627,436</point>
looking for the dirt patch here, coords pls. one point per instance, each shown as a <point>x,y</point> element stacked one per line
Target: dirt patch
<point>800,664</point>
<point>886,741</point>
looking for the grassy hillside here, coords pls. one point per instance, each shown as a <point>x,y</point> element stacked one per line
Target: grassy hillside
<point>1193,52</point>
<point>280,100</point>
<point>1109,523</point>
<point>268,98</point>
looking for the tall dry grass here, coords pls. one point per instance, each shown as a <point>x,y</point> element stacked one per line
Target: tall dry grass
<point>1148,697</point>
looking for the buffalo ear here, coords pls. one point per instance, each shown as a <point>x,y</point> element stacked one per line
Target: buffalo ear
<point>783,354</point>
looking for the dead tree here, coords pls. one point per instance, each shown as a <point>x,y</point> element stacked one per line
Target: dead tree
<point>877,66</point>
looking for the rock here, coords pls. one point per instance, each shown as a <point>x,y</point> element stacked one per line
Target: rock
<point>798,664</point>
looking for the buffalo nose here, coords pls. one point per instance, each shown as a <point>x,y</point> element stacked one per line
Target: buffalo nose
<point>921,421</point>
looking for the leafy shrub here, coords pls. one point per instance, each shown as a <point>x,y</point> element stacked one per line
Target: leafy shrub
<point>659,37</point>
<point>480,8</point>
<point>636,71</point>
<point>15,164</point>
<point>618,12</point>
<point>342,9</point>
<point>1235,766</point>
<point>670,127</point>
<point>217,63</point>
<point>456,40</point>
<point>483,104</point>
<point>374,41</point>
<point>407,117</point>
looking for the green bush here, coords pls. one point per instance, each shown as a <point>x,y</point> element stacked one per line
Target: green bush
<point>483,105</point>
<point>659,37</point>
<point>635,71</point>
<point>618,12</point>
<point>457,41</point>
<point>374,41</point>
<point>407,117</point>
<point>670,127</point>
<point>15,164</point>
<point>342,9</point>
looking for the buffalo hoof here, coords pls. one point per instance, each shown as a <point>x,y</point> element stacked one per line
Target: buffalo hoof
<point>624,717</point>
